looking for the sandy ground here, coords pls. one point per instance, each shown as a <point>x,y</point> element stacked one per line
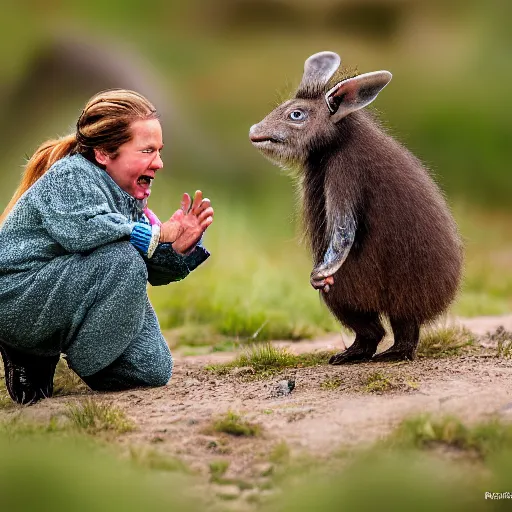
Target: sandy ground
<point>175,419</point>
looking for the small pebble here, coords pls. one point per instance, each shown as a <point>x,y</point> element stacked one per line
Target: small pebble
<point>284,388</point>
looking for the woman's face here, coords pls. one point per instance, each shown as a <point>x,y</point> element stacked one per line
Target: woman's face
<point>135,165</point>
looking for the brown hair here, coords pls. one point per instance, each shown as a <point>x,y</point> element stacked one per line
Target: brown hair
<point>104,124</point>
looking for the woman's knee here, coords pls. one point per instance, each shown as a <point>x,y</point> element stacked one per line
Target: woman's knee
<point>121,258</point>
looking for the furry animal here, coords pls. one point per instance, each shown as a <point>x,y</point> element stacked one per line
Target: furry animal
<point>383,240</point>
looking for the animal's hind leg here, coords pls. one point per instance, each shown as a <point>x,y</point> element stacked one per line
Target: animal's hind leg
<point>369,332</point>
<point>407,336</point>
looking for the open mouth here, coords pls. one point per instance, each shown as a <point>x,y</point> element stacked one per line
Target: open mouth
<point>145,180</point>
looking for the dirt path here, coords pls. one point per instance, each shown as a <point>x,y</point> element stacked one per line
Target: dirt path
<point>329,406</point>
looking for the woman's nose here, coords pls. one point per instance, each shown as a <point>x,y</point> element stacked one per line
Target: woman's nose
<point>157,162</point>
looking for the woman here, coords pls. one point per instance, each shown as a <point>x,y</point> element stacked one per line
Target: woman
<point>78,246</point>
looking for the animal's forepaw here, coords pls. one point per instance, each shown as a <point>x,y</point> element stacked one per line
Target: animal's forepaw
<point>321,283</point>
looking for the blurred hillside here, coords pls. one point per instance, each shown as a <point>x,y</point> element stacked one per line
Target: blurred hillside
<point>215,68</point>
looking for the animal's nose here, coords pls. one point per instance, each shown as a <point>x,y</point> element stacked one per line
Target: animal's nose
<point>252,130</point>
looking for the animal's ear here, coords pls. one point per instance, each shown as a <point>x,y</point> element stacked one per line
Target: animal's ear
<point>318,69</point>
<point>355,93</point>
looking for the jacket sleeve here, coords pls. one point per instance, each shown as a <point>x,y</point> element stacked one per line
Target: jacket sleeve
<point>166,265</point>
<point>76,213</point>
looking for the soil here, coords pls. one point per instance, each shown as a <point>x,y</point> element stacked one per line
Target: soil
<point>329,407</point>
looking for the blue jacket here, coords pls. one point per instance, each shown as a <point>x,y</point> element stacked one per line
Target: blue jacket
<point>76,207</point>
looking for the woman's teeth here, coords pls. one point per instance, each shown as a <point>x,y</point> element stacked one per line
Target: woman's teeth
<point>145,180</point>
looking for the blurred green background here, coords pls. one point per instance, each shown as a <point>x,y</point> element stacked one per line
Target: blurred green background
<point>215,68</point>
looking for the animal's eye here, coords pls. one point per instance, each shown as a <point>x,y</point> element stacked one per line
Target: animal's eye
<point>297,115</point>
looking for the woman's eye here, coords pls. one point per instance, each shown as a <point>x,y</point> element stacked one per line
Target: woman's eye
<point>149,150</point>
<point>297,115</point>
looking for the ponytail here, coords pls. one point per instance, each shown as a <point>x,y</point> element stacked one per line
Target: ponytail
<point>44,157</point>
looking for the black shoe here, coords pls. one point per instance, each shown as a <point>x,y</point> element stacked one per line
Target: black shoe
<point>28,378</point>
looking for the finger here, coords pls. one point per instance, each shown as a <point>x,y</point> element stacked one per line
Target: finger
<point>185,203</point>
<point>205,214</point>
<point>198,197</point>
<point>205,203</point>
<point>206,223</point>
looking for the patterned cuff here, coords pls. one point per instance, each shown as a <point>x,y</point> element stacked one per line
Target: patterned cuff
<point>155,238</point>
<point>141,237</point>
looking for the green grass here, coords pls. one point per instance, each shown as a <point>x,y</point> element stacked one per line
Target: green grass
<point>233,424</point>
<point>217,469</point>
<point>503,340</point>
<point>157,461</point>
<point>17,427</point>
<point>66,381</point>
<point>280,453</point>
<point>52,464</point>
<point>377,382</point>
<point>331,383</point>
<point>5,400</point>
<point>266,360</point>
<point>425,432</point>
<point>93,416</point>
<point>444,342</point>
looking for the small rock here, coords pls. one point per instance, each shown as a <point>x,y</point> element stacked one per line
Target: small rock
<point>284,387</point>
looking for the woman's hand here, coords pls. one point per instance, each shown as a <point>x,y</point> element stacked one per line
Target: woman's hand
<point>187,225</point>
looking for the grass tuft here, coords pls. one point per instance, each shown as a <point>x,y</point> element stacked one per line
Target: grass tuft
<point>93,417</point>
<point>444,342</point>
<point>377,382</point>
<point>280,453</point>
<point>218,469</point>
<point>234,425</point>
<point>266,359</point>
<point>66,381</point>
<point>502,339</point>
<point>331,383</point>
<point>154,460</point>
<point>424,432</point>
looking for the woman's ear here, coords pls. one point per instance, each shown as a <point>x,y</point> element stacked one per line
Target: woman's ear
<point>101,157</point>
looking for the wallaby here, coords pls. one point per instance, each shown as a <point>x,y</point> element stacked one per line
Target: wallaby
<point>384,242</point>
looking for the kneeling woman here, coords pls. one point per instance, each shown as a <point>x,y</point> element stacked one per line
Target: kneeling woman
<point>77,248</point>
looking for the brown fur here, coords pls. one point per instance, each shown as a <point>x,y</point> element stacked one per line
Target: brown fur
<point>405,262</point>
<point>406,258</point>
